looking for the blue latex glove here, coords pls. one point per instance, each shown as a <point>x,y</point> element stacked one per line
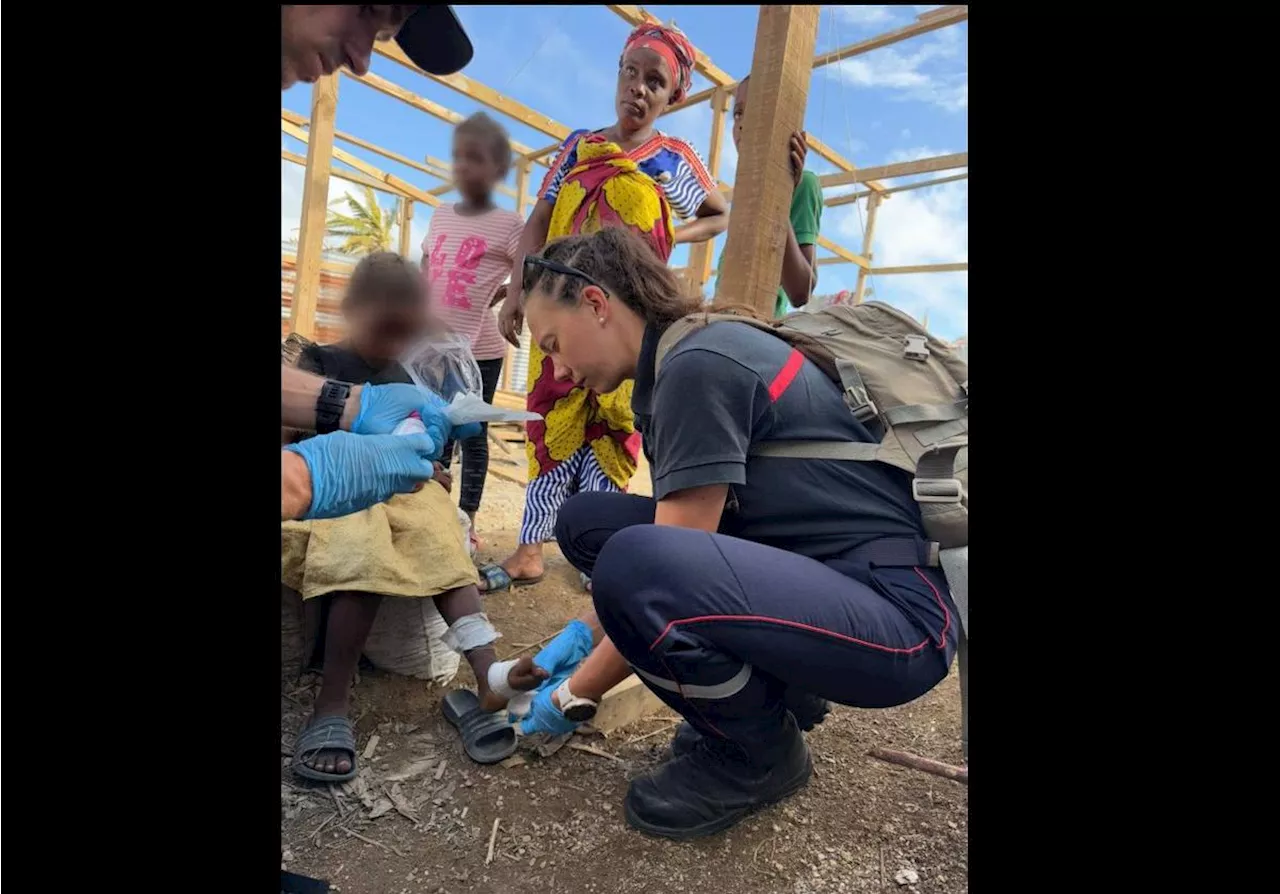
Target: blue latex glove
<point>544,717</point>
<point>563,654</point>
<point>352,472</point>
<point>383,407</point>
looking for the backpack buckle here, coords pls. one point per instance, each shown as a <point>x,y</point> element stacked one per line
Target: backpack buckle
<point>937,490</point>
<point>860,404</point>
<point>916,348</point>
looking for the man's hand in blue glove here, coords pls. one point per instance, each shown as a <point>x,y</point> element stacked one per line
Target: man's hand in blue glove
<point>352,472</point>
<point>383,407</point>
<point>563,654</point>
<point>544,716</point>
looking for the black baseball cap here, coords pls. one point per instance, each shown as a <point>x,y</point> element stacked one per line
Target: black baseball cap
<point>434,41</point>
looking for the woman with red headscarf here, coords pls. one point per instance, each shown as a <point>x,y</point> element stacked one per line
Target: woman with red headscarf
<point>628,174</point>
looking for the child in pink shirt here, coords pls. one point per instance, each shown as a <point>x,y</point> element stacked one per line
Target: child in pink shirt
<point>468,253</point>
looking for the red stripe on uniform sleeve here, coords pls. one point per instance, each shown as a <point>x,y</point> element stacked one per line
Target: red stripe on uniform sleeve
<point>782,381</point>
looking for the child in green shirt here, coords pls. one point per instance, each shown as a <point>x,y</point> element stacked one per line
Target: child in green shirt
<point>799,272</point>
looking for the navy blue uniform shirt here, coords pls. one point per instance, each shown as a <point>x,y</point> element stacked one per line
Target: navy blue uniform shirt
<point>712,401</point>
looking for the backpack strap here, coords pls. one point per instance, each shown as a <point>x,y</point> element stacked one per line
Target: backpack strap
<point>927,413</point>
<point>935,479</point>
<point>686,326</point>
<point>856,451</point>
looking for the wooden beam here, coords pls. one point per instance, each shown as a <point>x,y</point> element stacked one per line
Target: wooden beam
<point>900,169</point>
<point>693,99</point>
<point>634,15</point>
<point>843,253</point>
<point>544,151</point>
<point>930,21</point>
<point>837,159</point>
<point>406,217</point>
<point>363,166</point>
<point>315,207</point>
<point>941,12</point>
<point>422,104</point>
<point>854,196</point>
<point>522,185</point>
<point>700,254</point>
<point>868,234</point>
<point>921,268</point>
<point>785,37</point>
<point>481,93</point>
<point>337,267</point>
<point>349,176</point>
<point>624,704</point>
<point>298,120</point>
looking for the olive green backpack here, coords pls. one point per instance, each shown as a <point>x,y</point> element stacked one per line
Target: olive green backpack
<point>892,370</point>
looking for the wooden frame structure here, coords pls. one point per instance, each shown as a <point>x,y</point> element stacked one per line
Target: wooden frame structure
<point>319,135</point>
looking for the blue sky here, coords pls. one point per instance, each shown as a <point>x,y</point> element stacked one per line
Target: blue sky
<point>905,101</point>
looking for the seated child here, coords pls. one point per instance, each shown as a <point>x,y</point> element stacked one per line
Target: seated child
<point>410,547</point>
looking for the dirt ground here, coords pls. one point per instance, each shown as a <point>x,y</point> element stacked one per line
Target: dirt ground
<point>421,817</point>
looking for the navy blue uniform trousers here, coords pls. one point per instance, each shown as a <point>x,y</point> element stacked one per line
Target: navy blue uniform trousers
<point>718,626</point>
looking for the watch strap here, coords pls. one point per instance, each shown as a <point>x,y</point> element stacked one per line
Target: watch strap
<point>330,405</point>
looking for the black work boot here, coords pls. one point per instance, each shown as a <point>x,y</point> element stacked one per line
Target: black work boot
<point>809,711</point>
<point>716,783</point>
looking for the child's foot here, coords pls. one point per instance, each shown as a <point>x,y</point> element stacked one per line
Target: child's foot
<point>336,761</point>
<point>522,677</point>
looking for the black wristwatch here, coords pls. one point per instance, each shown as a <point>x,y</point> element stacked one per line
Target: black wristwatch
<point>330,404</point>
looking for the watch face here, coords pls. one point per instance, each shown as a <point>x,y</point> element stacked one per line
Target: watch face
<point>580,713</point>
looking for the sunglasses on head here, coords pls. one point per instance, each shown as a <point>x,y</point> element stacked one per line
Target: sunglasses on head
<point>554,267</point>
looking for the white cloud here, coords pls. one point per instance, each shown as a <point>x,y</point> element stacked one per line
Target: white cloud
<point>863,16</point>
<point>581,75</point>
<point>925,226</point>
<point>933,71</point>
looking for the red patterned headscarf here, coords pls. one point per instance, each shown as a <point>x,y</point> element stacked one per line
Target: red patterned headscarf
<point>673,47</point>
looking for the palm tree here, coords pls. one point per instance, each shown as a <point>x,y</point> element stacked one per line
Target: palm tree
<point>366,228</point>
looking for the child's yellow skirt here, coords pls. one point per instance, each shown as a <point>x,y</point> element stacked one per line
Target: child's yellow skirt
<point>412,545</point>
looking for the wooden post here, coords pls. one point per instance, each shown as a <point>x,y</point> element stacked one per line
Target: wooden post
<point>522,184</point>
<point>406,215</point>
<point>780,72</point>
<point>523,168</point>
<point>873,205</point>
<point>700,254</point>
<point>315,206</point>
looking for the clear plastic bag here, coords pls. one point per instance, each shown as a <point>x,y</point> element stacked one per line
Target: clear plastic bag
<point>444,364</point>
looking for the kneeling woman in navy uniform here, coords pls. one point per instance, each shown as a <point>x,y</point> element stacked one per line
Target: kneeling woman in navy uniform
<point>749,590</point>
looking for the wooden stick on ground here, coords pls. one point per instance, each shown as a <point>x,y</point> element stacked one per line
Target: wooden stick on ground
<point>923,764</point>
<point>493,837</point>
<point>596,751</point>
<point>662,729</point>
<point>527,646</point>
<point>354,834</point>
<point>507,476</point>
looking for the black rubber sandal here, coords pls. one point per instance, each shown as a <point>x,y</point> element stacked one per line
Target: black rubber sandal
<point>486,737</point>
